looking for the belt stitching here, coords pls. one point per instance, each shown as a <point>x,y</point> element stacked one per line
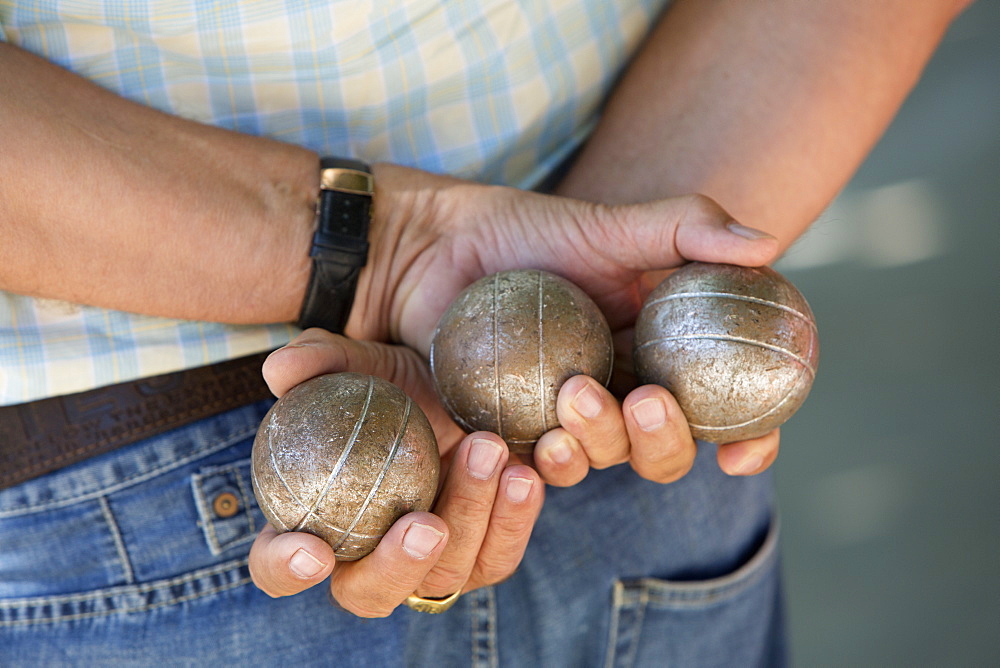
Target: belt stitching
<point>179,418</point>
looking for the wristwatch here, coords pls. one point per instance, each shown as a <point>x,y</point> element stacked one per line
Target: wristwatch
<point>340,243</point>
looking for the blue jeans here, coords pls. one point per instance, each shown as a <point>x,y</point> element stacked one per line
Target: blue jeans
<point>139,557</point>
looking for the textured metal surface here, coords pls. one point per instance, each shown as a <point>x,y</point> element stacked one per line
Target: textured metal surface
<point>343,456</point>
<point>736,346</point>
<point>507,344</point>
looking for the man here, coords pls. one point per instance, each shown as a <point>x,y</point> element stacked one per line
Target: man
<point>765,107</point>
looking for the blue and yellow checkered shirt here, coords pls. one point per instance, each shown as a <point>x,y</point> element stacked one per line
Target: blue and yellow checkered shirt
<point>499,91</point>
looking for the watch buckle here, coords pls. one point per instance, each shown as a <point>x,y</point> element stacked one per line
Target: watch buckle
<point>346,180</point>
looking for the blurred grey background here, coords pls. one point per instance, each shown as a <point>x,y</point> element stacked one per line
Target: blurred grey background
<point>888,476</point>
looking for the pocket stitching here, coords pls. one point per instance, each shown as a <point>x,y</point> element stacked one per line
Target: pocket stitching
<point>666,593</point>
<point>43,602</point>
<point>205,512</point>
<point>224,442</point>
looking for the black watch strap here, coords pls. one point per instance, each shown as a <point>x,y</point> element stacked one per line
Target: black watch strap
<point>340,243</point>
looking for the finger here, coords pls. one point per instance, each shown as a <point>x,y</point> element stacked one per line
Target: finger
<point>667,232</point>
<point>560,459</point>
<point>316,351</point>
<point>662,447</point>
<point>466,504</point>
<point>312,353</point>
<point>591,414</point>
<point>518,503</point>
<point>287,563</point>
<point>375,585</point>
<point>749,457</point>
<point>623,378</point>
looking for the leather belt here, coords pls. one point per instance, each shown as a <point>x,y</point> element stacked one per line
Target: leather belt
<point>45,435</point>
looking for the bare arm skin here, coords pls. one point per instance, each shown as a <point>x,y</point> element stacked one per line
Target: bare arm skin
<point>110,203</point>
<point>768,106</point>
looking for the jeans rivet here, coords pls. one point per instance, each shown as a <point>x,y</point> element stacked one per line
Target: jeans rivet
<point>226,505</point>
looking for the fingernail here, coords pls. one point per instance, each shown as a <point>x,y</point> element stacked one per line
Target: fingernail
<point>282,351</point>
<point>650,414</point>
<point>750,463</point>
<point>751,233</point>
<point>483,458</point>
<point>587,402</point>
<point>561,452</point>
<point>305,565</point>
<point>420,540</point>
<point>299,343</point>
<point>518,489</point>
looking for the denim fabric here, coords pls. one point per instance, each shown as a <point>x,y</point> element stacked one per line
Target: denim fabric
<point>625,572</point>
<point>127,559</point>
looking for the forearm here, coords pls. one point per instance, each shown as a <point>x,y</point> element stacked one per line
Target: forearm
<point>767,107</point>
<point>109,203</point>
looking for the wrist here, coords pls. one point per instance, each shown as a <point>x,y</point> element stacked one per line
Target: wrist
<point>405,207</point>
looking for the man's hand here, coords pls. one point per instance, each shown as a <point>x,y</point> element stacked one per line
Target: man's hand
<point>480,524</point>
<point>432,236</point>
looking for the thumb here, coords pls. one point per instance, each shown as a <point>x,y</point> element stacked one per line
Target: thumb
<point>316,351</point>
<point>287,563</point>
<point>669,232</point>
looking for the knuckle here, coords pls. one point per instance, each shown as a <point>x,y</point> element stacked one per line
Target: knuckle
<point>512,530</point>
<point>665,472</point>
<point>463,504</point>
<point>607,453</point>
<point>367,612</point>
<point>601,464</point>
<point>270,592</point>
<point>444,582</point>
<point>567,479</point>
<point>370,603</point>
<point>492,571</point>
<point>268,585</point>
<point>444,576</point>
<point>702,205</point>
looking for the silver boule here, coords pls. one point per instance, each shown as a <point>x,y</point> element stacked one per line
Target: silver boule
<point>738,347</point>
<point>507,344</point>
<point>343,456</point>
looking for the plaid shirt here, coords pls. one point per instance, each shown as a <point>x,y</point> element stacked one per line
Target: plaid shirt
<point>499,91</point>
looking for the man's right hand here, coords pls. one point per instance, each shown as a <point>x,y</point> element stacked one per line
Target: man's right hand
<point>433,235</point>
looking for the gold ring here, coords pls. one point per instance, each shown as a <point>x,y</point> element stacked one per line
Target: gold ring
<point>431,605</point>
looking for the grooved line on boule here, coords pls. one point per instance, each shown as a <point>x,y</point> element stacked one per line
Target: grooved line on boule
<point>735,339</point>
<point>277,471</point>
<point>496,353</point>
<point>343,455</point>
<point>264,501</point>
<point>541,357</point>
<point>741,298</point>
<point>381,476</point>
<point>773,409</point>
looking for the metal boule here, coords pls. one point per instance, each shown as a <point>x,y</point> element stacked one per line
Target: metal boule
<point>506,345</point>
<point>736,346</point>
<point>343,456</point>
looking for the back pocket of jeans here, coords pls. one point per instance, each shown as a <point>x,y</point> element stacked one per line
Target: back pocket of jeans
<point>227,508</point>
<point>734,620</point>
